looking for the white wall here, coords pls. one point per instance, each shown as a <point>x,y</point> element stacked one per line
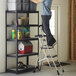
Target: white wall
<point>62,30</point>
<point>2,35</point>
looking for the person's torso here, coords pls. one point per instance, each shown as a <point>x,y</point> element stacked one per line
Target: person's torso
<point>46,7</point>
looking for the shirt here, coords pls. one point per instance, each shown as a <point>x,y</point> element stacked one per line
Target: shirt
<point>46,7</point>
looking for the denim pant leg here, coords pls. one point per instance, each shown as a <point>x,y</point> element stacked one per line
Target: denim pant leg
<point>46,29</point>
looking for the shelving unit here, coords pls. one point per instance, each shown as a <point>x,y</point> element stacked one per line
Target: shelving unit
<point>16,55</point>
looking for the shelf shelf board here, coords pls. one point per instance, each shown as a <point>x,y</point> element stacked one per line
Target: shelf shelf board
<point>11,40</point>
<point>25,39</point>
<point>17,11</point>
<point>31,25</point>
<point>30,68</point>
<point>10,25</point>
<point>22,55</point>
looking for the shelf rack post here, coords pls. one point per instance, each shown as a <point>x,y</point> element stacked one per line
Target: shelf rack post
<point>16,39</point>
<point>6,42</point>
<point>38,39</point>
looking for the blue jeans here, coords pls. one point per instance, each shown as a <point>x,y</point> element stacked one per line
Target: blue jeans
<point>45,27</point>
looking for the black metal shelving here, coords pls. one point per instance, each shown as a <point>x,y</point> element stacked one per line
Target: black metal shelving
<point>13,70</point>
<point>16,55</point>
<point>25,39</point>
<point>30,25</point>
<point>22,55</point>
<point>17,11</point>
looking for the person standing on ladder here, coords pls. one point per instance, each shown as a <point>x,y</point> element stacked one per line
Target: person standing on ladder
<point>46,15</point>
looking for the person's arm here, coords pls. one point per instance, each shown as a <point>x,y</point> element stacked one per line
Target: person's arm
<point>36,1</point>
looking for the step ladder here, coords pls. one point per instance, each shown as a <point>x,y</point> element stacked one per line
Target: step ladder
<point>44,49</point>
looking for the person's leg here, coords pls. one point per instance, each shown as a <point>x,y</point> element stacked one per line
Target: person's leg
<point>46,30</point>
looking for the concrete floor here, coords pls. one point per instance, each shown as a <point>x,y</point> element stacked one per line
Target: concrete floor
<point>70,70</point>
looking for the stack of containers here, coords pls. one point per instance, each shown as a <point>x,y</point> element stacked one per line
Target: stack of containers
<point>12,4</point>
<point>25,5</point>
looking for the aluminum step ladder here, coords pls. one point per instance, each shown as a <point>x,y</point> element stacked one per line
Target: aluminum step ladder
<point>44,49</point>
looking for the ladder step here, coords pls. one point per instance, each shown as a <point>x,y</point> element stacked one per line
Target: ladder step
<point>44,39</point>
<point>40,36</point>
<point>52,56</point>
<point>46,47</point>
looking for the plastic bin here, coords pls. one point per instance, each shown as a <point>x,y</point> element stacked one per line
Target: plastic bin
<point>12,4</point>
<point>25,1</point>
<point>25,6</point>
<point>32,6</point>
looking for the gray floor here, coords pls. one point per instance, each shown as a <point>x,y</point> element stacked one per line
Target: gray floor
<point>70,70</point>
